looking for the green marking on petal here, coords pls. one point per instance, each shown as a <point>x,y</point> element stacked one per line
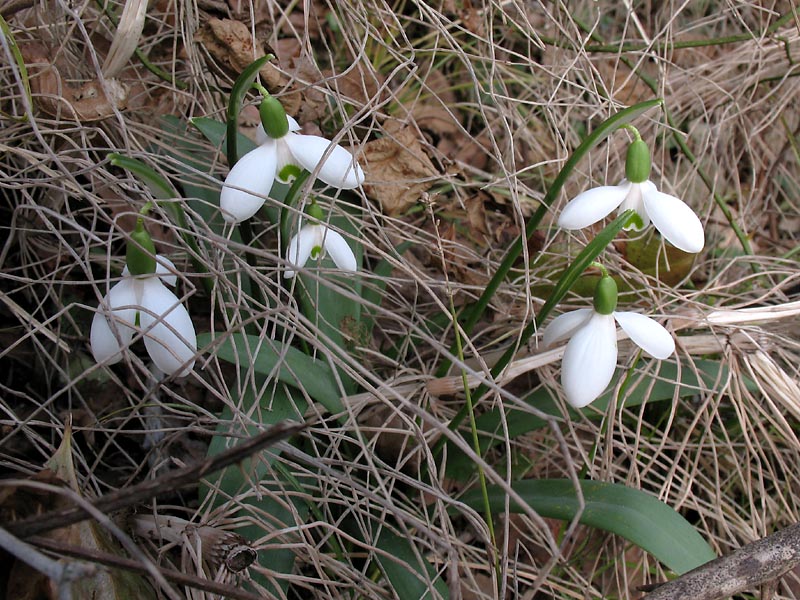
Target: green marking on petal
<point>289,172</point>
<point>316,252</point>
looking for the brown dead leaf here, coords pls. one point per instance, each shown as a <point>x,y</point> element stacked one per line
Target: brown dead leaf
<point>69,96</point>
<point>106,585</point>
<point>397,169</point>
<point>231,44</point>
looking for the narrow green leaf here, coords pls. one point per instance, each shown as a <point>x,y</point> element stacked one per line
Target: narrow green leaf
<point>285,363</point>
<point>581,262</point>
<point>568,277</point>
<point>600,133</point>
<point>240,87</point>
<point>637,516</point>
<point>164,190</point>
<point>158,186</point>
<point>8,36</point>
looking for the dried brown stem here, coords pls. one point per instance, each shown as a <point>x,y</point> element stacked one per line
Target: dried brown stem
<point>758,563</point>
<point>168,482</point>
<point>127,564</point>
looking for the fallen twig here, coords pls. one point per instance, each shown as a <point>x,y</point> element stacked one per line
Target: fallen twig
<point>758,563</point>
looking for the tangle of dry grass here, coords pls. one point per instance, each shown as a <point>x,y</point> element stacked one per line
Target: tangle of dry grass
<point>495,95</point>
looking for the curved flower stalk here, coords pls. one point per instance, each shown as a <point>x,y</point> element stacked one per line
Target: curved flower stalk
<point>591,354</point>
<point>251,178</point>
<point>670,215</point>
<point>314,240</point>
<point>141,301</point>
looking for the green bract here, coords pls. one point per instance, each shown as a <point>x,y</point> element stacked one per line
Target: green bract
<point>637,162</point>
<point>315,212</point>
<point>605,296</point>
<point>141,251</point>
<point>273,118</point>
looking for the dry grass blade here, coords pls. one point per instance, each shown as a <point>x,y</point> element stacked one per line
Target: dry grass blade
<point>468,110</point>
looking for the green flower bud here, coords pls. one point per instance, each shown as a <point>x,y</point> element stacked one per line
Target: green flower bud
<point>637,162</point>
<point>315,212</point>
<point>273,118</point>
<point>605,295</point>
<point>141,251</point>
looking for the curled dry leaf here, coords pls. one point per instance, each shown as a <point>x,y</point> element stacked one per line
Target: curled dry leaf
<point>106,585</point>
<point>58,96</point>
<point>231,44</point>
<point>398,170</point>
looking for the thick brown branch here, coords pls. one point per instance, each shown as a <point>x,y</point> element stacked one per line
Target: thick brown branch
<point>166,483</point>
<point>755,564</point>
<point>120,562</point>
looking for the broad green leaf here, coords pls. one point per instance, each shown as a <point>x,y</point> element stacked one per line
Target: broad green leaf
<point>217,131</point>
<point>640,390</point>
<point>637,516</point>
<point>281,362</point>
<point>409,579</point>
<point>239,480</point>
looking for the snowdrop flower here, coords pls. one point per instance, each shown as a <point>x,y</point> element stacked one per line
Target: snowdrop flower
<point>591,354</point>
<point>141,301</point>
<point>670,215</point>
<point>314,241</point>
<point>279,146</point>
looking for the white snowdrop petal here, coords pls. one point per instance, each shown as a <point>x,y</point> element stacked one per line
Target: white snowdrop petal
<point>563,326</point>
<point>339,169</point>
<point>675,220</point>
<point>340,251</point>
<point>589,360</point>
<point>169,333</point>
<point>255,172</point>
<point>262,137</point>
<point>165,269</point>
<point>300,247</point>
<point>591,206</point>
<point>107,339</point>
<point>646,333</point>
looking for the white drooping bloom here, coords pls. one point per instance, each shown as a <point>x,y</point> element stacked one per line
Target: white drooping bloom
<point>251,178</point>
<point>314,241</point>
<point>591,354</point>
<point>670,215</point>
<point>143,303</point>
